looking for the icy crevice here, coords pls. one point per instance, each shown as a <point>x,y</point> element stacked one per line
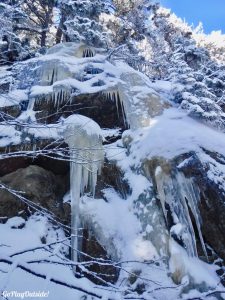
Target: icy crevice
<point>180,194</point>
<point>83,136</point>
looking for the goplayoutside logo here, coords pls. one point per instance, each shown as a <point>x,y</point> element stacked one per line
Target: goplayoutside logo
<point>25,294</point>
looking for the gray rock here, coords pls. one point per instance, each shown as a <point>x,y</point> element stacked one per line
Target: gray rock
<point>36,184</point>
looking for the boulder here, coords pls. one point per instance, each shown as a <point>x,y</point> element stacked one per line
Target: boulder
<point>35,184</point>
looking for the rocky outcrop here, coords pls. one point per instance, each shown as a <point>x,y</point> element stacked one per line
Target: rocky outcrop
<point>37,186</point>
<point>95,106</point>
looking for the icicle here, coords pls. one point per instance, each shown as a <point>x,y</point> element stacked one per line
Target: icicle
<point>88,52</point>
<point>75,182</point>
<point>180,194</point>
<point>114,95</point>
<point>191,195</point>
<point>56,74</point>
<point>31,104</point>
<point>62,97</point>
<point>55,98</point>
<point>171,195</point>
<point>52,79</point>
<point>125,114</point>
<point>110,94</point>
<point>83,136</point>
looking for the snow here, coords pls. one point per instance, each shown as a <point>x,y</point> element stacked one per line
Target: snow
<point>109,133</point>
<point>51,131</point>
<point>38,90</point>
<point>164,88</point>
<point>181,264</point>
<point>65,72</point>
<point>181,134</point>
<point>116,227</point>
<point>140,199</point>
<point>120,226</point>
<point>215,170</point>
<point>13,98</point>
<point>29,237</point>
<point>4,72</point>
<point>71,49</point>
<point>72,67</point>
<point>15,222</point>
<point>138,100</point>
<point>9,135</point>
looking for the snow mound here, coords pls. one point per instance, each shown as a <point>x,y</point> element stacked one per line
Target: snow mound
<point>16,222</point>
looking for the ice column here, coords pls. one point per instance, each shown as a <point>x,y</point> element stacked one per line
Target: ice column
<point>84,138</point>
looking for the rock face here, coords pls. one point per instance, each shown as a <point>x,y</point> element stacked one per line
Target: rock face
<point>111,176</point>
<point>211,205</point>
<point>91,247</point>
<point>36,184</point>
<point>87,105</point>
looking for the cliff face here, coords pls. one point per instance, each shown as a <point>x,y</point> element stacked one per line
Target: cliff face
<point>158,208</point>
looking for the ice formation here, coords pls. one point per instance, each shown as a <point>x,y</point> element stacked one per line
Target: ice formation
<point>57,69</point>
<point>181,196</point>
<point>88,52</point>
<point>77,50</point>
<point>114,95</point>
<point>83,136</point>
<point>139,103</point>
<point>71,68</point>
<point>53,71</point>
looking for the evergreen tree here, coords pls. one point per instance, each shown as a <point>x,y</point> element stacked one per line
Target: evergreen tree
<point>80,21</point>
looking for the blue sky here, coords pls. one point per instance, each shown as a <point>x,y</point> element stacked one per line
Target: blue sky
<point>210,12</point>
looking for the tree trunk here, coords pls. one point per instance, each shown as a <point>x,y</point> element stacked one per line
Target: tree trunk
<point>43,38</point>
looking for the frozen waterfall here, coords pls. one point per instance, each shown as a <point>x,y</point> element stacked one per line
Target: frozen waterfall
<point>181,196</point>
<point>83,136</point>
